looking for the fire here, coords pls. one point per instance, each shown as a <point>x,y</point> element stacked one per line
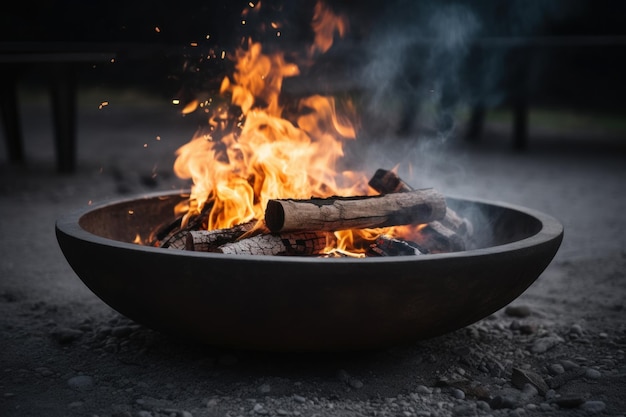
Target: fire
<point>251,152</point>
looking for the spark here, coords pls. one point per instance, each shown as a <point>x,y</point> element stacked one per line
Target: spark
<point>103,105</point>
<point>175,101</point>
<point>157,29</point>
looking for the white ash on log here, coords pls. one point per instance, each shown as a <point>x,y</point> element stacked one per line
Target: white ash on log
<point>301,244</point>
<point>211,240</point>
<point>341,213</point>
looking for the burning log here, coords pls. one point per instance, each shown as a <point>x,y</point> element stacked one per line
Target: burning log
<point>211,240</point>
<point>439,239</point>
<point>341,213</point>
<point>447,234</point>
<point>386,182</point>
<point>302,244</point>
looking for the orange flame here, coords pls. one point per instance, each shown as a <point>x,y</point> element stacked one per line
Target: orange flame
<point>252,154</point>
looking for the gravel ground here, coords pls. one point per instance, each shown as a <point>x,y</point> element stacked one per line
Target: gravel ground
<point>557,350</point>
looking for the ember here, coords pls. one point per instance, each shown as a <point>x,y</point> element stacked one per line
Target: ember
<point>260,174</point>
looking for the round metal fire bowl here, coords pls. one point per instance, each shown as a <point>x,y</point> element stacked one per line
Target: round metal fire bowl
<point>298,303</point>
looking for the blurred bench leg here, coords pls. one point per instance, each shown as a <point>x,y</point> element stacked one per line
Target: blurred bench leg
<point>520,123</point>
<point>9,110</point>
<point>63,100</point>
<point>476,123</point>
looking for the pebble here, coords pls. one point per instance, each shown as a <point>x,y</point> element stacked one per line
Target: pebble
<point>66,336</point>
<point>503,401</point>
<point>423,390</point>
<point>556,369</point>
<point>458,394</point>
<point>546,343</point>
<point>121,331</point>
<point>464,410</point>
<point>576,329</point>
<point>265,388</point>
<point>80,382</point>
<point>521,377</point>
<point>520,311</point>
<point>593,406</point>
<point>592,373</point>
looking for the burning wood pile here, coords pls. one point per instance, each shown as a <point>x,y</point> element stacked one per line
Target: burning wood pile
<point>307,227</point>
<point>265,180</point>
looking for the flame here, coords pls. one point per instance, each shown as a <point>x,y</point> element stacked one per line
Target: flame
<point>250,152</point>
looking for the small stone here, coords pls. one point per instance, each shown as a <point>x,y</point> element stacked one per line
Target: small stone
<point>528,328</point>
<point>299,399</point>
<point>423,390</point>
<point>518,311</point>
<point>457,393</point>
<point>544,344</point>
<point>464,410</point>
<point>66,336</point>
<point>43,371</point>
<point>521,377</point>
<point>265,388</point>
<point>556,369</point>
<point>529,391</point>
<point>483,405</point>
<point>593,406</point>
<point>569,365</point>
<point>121,331</point>
<point>576,329</point>
<point>568,402</point>
<point>503,401</point>
<point>355,383</point>
<point>282,412</point>
<point>592,373</point>
<point>80,382</point>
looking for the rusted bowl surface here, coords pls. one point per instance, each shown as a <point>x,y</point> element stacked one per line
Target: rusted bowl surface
<point>304,304</point>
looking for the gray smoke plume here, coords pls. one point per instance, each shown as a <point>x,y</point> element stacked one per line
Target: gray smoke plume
<point>425,58</point>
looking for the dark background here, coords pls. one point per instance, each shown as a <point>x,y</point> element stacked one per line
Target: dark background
<point>582,67</point>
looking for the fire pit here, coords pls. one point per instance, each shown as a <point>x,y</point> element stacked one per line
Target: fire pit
<point>302,303</point>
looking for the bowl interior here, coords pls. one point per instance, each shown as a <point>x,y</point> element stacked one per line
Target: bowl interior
<point>130,220</point>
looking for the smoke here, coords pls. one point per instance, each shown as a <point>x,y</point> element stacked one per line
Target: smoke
<point>425,59</point>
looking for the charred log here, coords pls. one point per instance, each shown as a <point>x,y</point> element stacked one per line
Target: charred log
<point>211,240</point>
<point>299,244</point>
<point>387,246</point>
